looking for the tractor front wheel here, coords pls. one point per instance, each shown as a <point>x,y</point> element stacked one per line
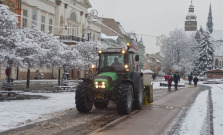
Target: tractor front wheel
<point>82,97</point>
<point>124,99</point>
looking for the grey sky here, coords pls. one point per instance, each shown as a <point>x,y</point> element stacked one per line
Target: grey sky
<point>157,17</point>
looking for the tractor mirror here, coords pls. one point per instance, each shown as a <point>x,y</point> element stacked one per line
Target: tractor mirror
<point>137,57</point>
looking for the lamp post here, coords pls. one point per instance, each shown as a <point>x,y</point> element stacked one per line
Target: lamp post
<point>92,15</point>
<point>83,33</point>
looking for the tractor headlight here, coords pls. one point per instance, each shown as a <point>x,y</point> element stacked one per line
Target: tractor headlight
<point>92,66</point>
<point>103,85</point>
<point>123,51</point>
<point>100,85</point>
<point>96,84</point>
<point>126,67</point>
<point>100,51</point>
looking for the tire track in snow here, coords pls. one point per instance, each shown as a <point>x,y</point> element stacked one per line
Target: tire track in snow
<point>210,113</point>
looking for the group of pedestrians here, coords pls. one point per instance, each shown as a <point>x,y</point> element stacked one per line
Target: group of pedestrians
<point>194,79</point>
<point>169,78</point>
<point>176,78</point>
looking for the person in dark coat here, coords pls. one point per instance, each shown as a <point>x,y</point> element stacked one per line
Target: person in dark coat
<point>154,76</point>
<point>190,78</point>
<point>176,79</point>
<point>169,81</point>
<point>195,80</point>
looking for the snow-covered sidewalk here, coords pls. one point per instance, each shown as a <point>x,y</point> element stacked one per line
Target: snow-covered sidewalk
<point>196,120</point>
<point>18,113</point>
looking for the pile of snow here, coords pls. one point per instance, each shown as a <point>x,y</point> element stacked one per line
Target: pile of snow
<point>22,112</point>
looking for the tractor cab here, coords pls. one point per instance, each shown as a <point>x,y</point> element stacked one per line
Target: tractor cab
<point>117,60</point>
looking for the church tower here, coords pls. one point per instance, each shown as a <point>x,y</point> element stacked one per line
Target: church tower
<point>191,22</point>
<point>209,22</point>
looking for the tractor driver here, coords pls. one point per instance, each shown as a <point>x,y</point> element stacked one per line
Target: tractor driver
<point>116,64</point>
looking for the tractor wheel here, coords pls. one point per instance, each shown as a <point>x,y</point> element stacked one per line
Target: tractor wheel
<point>101,104</point>
<point>83,102</point>
<point>124,99</point>
<point>138,92</point>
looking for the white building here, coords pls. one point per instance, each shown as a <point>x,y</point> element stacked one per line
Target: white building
<point>65,18</point>
<point>68,19</point>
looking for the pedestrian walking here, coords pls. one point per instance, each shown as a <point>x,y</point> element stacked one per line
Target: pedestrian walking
<point>7,73</point>
<point>176,79</point>
<point>190,78</point>
<point>165,77</point>
<point>195,80</point>
<point>154,76</point>
<point>169,80</point>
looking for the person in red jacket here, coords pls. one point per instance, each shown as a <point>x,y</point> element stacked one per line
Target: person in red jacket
<point>165,77</point>
<point>169,80</point>
<point>7,71</point>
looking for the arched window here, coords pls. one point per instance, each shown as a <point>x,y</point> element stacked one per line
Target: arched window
<point>73,17</point>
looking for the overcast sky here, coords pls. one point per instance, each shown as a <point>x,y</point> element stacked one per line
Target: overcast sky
<point>157,17</point>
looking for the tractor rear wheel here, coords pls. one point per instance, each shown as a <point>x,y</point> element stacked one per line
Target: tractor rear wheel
<point>101,104</point>
<point>82,97</point>
<point>138,92</point>
<point>124,99</point>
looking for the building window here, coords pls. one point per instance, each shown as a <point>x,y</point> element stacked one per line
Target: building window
<point>50,25</point>
<point>24,19</point>
<point>68,30</point>
<point>73,17</point>
<point>94,37</point>
<point>34,16</point>
<point>43,23</point>
<point>73,30</point>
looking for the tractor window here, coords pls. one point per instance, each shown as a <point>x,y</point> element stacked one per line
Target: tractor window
<point>112,61</point>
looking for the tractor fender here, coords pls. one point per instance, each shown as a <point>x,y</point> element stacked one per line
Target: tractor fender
<point>135,78</point>
<point>128,81</point>
<point>135,74</point>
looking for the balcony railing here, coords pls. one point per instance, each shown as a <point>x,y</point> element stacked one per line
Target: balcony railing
<point>71,38</point>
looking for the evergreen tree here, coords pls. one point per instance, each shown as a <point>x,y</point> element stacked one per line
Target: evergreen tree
<point>206,55</point>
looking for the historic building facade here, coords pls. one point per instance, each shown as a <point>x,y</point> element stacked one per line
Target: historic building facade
<point>217,35</point>
<point>191,22</point>
<point>68,19</point>
<point>217,40</point>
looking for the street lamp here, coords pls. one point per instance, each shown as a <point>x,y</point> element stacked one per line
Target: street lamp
<point>83,33</point>
<point>92,15</point>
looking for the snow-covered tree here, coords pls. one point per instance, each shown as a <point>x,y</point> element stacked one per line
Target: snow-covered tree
<point>72,58</point>
<point>178,51</point>
<point>89,52</point>
<point>206,55</point>
<point>8,37</point>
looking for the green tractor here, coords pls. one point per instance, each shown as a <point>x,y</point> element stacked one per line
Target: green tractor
<point>117,79</point>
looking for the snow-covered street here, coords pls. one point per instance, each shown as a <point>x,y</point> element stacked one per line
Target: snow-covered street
<point>17,113</point>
